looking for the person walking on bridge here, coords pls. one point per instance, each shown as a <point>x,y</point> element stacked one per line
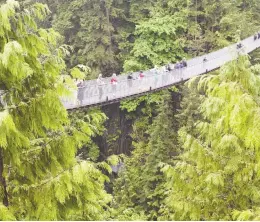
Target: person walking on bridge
<point>255,36</point>
<point>155,69</point>
<point>204,63</point>
<point>100,84</point>
<point>239,45</point>
<point>113,81</point>
<point>130,79</point>
<point>177,65</point>
<point>79,83</point>
<point>167,68</point>
<point>166,74</point>
<point>140,77</point>
<point>156,75</point>
<point>184,62</point>
<point>80,91</point>
<point>130,76</point>
<point>100,79</point>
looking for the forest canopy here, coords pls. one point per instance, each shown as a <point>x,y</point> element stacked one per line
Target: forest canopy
<point>194,148</point>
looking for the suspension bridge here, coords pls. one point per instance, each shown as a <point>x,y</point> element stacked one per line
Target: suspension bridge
<point>92,94</point>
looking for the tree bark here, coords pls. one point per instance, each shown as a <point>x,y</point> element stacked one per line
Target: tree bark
<point>108,25</point>
<point>2,180</point>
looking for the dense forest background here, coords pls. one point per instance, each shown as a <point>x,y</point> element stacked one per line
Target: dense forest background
<point>190,152</point>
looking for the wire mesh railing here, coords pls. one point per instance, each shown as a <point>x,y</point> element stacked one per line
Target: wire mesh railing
<point>92,93</point>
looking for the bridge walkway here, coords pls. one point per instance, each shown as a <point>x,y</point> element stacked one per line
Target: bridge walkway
<point>92,94</point>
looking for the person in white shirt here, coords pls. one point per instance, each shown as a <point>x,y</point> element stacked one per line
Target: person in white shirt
<point>100,80</point>
<point>156,75</point>
<point>100,83</point>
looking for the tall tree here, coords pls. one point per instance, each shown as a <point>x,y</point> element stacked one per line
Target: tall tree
<point>217,23</point>
<point>88,27</point>
<point>40,176</point>
<point>159,38</point>
<point>217,175</point>
<point>139,190</point>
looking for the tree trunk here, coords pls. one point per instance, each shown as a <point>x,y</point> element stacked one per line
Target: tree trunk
<point>2,179</point>
<point>108,25</point>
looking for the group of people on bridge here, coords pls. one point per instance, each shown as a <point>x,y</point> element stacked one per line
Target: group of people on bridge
<point>140,76</point>
<point>167,68</point>
<point>257,36</point>
<point>104,89</point>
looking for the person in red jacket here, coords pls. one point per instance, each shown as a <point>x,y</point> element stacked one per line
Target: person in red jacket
<point>113,79</point>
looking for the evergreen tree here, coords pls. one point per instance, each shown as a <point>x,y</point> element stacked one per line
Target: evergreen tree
<point>217,177</point>
<point>88,27</point>
<point>159,39</point>
<point>189,113</point>
<point>40,176</point>
<point>39,140</point>
<point>139,190</point>
<point>214,24</point>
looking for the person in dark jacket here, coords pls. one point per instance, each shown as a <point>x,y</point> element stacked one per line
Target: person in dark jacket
<point>130,76</point>
<point>184,63</point>
<point>167,68</point>
<point>80,83</point>
<point>258,35</point>
<point>239,45</point>
<point>177,65</point>
<point>205,59</point>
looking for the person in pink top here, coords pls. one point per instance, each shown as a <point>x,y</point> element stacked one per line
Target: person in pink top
<point>113,81</point>
<point>140,77</point>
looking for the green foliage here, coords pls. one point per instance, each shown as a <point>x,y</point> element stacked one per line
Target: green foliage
<point>232,21</point>
<point>139,35</point>
<point>216,177</point>
<point>43,148</point>
<point>5,214</point>
<point>87,26</point>
<point>158,39</point>
<point>80,72</point>
<point>63,198</point>
<point>189,113</point>
<point>142,169</point>
<point>131,105</point>
<point>90,123</point>
<point>40,176</point>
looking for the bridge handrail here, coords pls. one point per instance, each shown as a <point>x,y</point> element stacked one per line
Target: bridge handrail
<point>161,73</point>
<point>90,93</point>
<point>209,56</point>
